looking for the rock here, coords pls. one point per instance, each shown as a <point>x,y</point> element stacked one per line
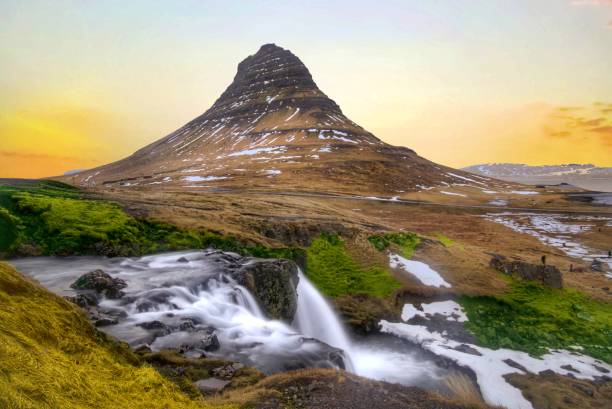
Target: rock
<point>210,342</point>
<point>584,389</point>
<point>273,282</point>
<point>143,349</point>
<point>601,369</point>
<point>182,260</point>
<point>570,368</point>
<point>545,274</point>
<point>516,365</point>
<point>85,300</point>
<point>211,385</point>
<point>102,283</point>
<point>597,265</point>
<point>467,349</point>
<point>103,318</point>
<point>227,371</point>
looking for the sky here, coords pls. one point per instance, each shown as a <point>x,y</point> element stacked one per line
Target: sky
<point>84,83</point>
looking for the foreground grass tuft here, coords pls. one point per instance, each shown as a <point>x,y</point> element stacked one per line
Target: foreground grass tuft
<point>51,357</point>
<point>335,273</point>
<point>533,318</point>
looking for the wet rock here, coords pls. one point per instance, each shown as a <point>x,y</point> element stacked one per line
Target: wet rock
<point>211,385</point>
<point>467,349</point>
<point>601,369</point>
<point>205,340</point>
<point>103,318</point>
<point>102,283</point>
<point>545,274</point>
<point>273,282</point>
<point>516,365</point>
<point>227,371</point>
<point>570,368</point>
<point>85,300</point>
<point>210,342</point>
<point>182,260</point>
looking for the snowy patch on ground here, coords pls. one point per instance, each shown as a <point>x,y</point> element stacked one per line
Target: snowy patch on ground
<point>452,194</point>
<point>202,178</point>
<point>491,365</point>
<point>421,271</point>
<point>524,192</point>
<point>556,230</point>
<point>498,202</point>
<point>450,309</point>
<point>255,151</point>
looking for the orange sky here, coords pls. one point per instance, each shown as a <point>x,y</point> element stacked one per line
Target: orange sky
<point>85,83</point>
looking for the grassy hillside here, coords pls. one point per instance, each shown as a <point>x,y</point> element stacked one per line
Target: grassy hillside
<point>534,318</point>
<point>336,273</point>
<point>52,357</point>
<point>51,218</point>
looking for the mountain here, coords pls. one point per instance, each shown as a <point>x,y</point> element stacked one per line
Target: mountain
<point>586,175</point>
<point>273,128</point>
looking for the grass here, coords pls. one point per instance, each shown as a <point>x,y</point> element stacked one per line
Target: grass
<point>57,219</point>
<point>52,357</point>
<point>445,240</point>
<point>335,273</point>
<point>534,318</point>
<point>406,242</point>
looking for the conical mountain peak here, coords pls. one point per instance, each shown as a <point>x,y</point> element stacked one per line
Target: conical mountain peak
<point>269,79</point>
<point>272,126</point>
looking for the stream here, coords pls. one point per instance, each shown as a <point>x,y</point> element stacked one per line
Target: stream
<point>173,304</point>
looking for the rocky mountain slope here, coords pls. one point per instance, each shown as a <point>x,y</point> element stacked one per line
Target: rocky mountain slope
<point>273,128</point>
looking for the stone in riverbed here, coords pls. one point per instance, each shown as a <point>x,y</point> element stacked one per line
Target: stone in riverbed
<point>100,282</point>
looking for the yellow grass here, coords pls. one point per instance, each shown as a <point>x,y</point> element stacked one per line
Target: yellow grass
<point>51,357</point>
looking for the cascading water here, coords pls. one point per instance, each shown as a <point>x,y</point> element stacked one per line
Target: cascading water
<point>315,318</point>
<point>172,304</point>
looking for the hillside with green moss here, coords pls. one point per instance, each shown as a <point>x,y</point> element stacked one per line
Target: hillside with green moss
<point>51,218</point>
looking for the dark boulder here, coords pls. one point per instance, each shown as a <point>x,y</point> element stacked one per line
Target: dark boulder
<point>545,274</point>
<point>100,282</point>
<point>273,282</point>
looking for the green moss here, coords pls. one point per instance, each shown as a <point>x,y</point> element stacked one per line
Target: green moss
<point>335,273</point>
<point>534,318</point>
<point>52,357</point>
<point>445,240</point>
<point>407,242</point>
<point>60,221</point>
<point>10,231</point>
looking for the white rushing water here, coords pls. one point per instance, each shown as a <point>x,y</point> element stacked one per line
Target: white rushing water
<point>193,296</point>
<point>315,317</point>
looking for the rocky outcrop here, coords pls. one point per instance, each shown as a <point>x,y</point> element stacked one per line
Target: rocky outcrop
<point>101,283</point>
<point>274,283</point>
<point>545,274</point>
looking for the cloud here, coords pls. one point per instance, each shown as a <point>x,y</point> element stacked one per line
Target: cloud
<point>581,123</point>
<point>35,156</point>
<point>591,2</point>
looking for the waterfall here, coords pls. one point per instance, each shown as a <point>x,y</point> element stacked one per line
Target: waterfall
<point>315,317</point>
